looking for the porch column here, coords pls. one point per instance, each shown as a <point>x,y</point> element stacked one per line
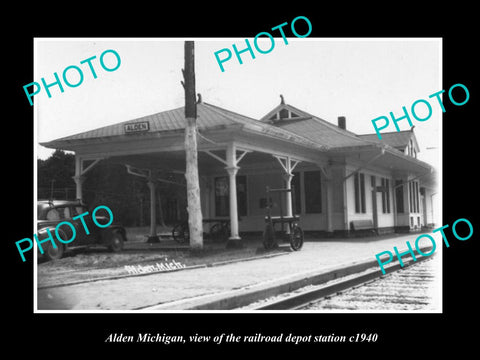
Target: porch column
<point>78,178</point>
<point>288,176</point>
<point>231,160</point>
<point>234,240</point>
<point>80,172</point>
<point>78,184</point>
<point>153,212</point>
<point>288,165</point>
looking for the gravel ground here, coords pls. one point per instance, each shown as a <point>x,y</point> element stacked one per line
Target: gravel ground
<point>158,288</point>
<point>415,288</point>
<point>96,263</point>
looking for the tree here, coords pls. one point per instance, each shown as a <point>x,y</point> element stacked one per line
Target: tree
<point>191,173</point>
<point>54,175</point>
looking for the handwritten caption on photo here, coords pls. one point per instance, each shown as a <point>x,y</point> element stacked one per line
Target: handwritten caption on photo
<point>157,267</point>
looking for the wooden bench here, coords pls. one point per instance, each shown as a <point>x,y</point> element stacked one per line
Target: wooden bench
<point>362,224</point>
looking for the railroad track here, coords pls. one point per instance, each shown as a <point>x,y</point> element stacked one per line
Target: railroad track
<point>307,298</point>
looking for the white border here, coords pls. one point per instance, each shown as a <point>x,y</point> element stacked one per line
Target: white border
<point>35,191</point>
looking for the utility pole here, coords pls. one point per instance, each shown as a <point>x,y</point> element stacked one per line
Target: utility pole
<point>191,174</point>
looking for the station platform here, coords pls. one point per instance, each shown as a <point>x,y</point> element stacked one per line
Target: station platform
<point>178,290</point>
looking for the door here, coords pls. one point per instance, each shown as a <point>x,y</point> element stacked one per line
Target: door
<point>82,224</point>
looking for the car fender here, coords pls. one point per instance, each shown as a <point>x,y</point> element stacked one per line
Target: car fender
<point>112,229</point>
<point>42,234</point>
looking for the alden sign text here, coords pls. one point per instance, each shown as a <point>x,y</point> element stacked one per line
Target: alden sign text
<point>136,127</point>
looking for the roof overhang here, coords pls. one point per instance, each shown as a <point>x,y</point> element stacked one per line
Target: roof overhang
<point>217,127</point>
<point>391,159</point>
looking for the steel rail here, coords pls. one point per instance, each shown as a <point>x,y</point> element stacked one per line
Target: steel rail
<point>297,301</point>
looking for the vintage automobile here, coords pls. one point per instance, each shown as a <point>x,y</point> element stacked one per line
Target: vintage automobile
<point>51,213</point>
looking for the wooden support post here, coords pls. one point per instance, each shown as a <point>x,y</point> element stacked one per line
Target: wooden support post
<point>152,238</point>
<point>191,174</point>
<point>78,178</point>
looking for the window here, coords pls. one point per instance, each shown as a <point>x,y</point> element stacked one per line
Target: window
<point>385,196</point>
<point>283,114</point>
<point>410,196</point>
<point>413,197</point>
<point>242,195</point>
<point>58,213</point>
<point>222,203</point>
<point>399,196</point>
<point>417,201</point>
<point>53,214</point>
<point>313,191</point>
<point>221,196</point>
<point>359,184</point>
<point>296,189</point>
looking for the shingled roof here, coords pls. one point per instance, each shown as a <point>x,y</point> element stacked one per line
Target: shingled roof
<point>313,128</point>
<point>300,127</point>
<point>396,139</point>
<point>209,117</point>
<point>170,120</point>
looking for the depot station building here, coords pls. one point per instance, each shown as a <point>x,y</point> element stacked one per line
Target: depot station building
<point>343,183</point>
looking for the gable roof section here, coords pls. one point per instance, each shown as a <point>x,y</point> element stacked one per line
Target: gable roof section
<point>339,140</point>
<point>315,128</point>
<point>396,139</point>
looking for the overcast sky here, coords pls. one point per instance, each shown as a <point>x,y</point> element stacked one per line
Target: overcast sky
<point>358,78</point>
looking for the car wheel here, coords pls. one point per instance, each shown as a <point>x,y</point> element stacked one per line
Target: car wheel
<point>116,242</point>
<point>52,253</point>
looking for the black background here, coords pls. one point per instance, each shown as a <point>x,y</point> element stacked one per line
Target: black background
<point>71,334</point>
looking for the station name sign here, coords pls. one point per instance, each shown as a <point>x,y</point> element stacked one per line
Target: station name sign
<point>136,127</point>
